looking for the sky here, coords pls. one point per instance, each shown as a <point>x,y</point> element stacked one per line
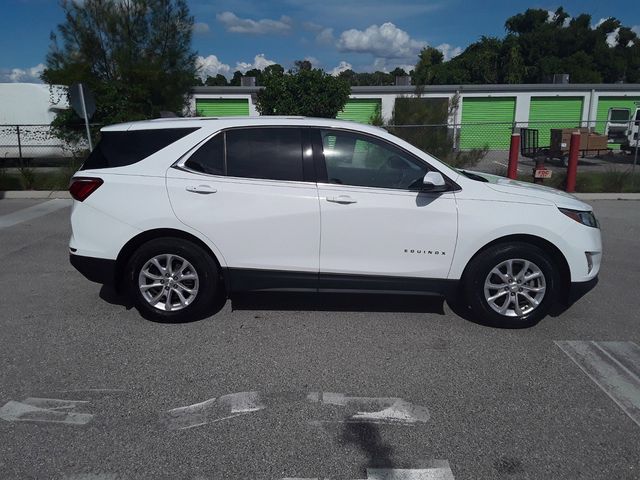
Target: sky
<point>364,35</point>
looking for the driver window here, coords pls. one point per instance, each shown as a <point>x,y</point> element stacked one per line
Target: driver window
<point>358,160</point>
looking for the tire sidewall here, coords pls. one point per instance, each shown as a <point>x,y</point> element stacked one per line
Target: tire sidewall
<point>202,262</point>
<point>480,267</point>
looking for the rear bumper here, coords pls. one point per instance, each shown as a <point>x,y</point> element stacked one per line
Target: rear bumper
<point>99,270</point>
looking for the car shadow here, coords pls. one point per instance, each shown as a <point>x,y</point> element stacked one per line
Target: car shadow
<point>114,297</point>
<point>338,302</point>
<point>366,436</point>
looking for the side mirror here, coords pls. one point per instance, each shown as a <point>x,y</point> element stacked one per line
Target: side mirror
<point>434,182</point>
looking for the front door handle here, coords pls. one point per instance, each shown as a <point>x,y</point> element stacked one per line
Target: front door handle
<point>343,199</point>
<point>203,189</point>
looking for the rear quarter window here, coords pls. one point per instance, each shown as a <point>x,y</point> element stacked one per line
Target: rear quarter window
<point>119,149</point>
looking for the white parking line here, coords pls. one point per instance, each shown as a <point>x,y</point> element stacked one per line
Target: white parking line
<point>30,410</point>
<point>433,470</point>
<point>34,212</point>
<point>375,409</point>
<point>380,410</point>
<point>614,367</point>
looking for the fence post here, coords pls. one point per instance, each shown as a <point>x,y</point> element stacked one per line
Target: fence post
<point>514,151</point>
<point>19,144</point>
<point>572,168</point>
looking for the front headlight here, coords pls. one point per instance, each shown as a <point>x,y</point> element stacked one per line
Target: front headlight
<point>585,218</point>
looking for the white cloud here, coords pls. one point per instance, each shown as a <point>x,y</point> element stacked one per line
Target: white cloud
<point>28,75</point>
<point>612,38</point>
<point>211,66</point>
<point>341,67</point>
<point>384,65</point>
<point>449,51</point>
<point>384,41</point>
<point>325,36</point>
<point>315,63</point>
<point>600,22</point>
<point>200,27</point>
<point>550,16</point>
<point>235,24</point>
<point>259,61</point>
<point>314,27</point>
<point>636,29</point>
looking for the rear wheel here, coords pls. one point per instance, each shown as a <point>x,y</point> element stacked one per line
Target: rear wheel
<point>511,285</point>
<point>172,280</point>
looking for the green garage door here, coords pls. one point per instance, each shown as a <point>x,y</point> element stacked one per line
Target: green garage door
<point>222,107</point>
<point>487,122</point>
<point>605,104</point>
<point>546,113</point>
<point>361,110</point>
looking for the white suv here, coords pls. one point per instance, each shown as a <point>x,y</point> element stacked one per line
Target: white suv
<point>177,212</point>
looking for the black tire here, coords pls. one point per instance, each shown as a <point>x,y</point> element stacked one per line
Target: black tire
<point>480,266</point>
<point>202,262</point>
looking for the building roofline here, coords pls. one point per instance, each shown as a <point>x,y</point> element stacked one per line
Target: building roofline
<point>486,88</point>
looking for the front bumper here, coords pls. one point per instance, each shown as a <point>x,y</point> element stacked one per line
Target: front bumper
<point>99,270</point>
<point>580,289</point>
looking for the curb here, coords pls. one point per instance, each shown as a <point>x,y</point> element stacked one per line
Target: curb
<point>34,194</point>
<point>608,196</point>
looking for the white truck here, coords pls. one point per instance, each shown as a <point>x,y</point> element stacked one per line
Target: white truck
<point>26,113</point>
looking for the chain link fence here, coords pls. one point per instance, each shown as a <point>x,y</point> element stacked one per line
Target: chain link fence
<point>485,146</point>
<point>26,150</point>
<point>35,145</point>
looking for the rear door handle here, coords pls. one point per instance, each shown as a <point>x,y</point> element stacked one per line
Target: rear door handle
<point>203,189</point>
<point>343,199</point>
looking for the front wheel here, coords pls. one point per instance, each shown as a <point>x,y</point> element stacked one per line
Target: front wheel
<point>511,285</point>
<point>172,280</point>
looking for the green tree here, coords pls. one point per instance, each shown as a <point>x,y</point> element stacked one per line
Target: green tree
<point>428,59</point>
<point>312,93</point>
<point>218,81</point>
<point>135,56</point>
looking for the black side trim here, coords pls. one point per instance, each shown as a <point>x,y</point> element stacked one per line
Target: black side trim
<point>99,270</point>
<point>254,280</point>
<point>338,282</point>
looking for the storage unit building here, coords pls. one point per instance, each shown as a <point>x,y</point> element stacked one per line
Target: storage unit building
<point>362,110</point>
<point>487,122</point>
<point>222,107</point>
<point>554,112</point>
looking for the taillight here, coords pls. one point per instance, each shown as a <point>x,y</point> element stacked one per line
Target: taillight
<point>81,187</point>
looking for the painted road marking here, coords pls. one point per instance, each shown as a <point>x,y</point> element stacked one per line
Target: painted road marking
<point>47,410</point>
<point>438,470</point>
<point>91,476</point>
<point>380,410</point>
<point>432,470</point>
<point>374,409</point>
<point>33,212</point>
<point>212,410</point>
<point>614,367</point>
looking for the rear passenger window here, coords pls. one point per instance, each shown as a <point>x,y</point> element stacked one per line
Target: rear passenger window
<point>118,149</point>
<point>270,153</point>
<point>209,158</point>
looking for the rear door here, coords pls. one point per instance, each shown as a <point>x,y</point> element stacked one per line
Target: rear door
<point>258,203</point>
<point>375,221</point>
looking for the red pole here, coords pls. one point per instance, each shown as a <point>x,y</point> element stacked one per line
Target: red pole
<point>514,150</point>
<point>572,168</point>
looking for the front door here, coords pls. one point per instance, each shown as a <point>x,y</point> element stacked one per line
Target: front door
<point>375,221</point>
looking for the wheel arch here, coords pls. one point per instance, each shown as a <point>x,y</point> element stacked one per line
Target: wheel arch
<point>134,243</point>
<point>545,245</point>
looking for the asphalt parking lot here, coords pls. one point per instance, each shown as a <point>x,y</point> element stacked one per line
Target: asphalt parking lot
<point>365,388</point>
